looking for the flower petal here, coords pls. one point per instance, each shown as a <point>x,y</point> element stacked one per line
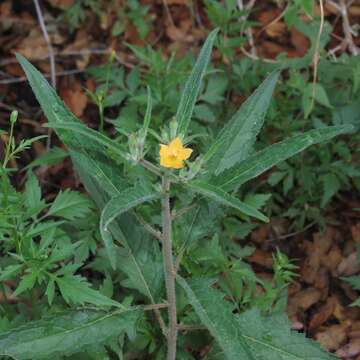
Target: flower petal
<point>164,150</point>
<point>184,154</point>
<point>176,145</point>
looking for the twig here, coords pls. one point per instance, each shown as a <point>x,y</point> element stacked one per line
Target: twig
<point>169,269</point>
<point>80,52</point>
<point>286,236</point>
<point>148,227</point>
<point>24,78</point>
<point>317,52</point>
<point>191,327</point>
<point>348,32</point>
<point>154,307</point>
<point>151,167</point>
<point>168,13</point>
<point>249,34</point>
<point>275,20</point>
<point>342,7</point>
<point>48,42</point>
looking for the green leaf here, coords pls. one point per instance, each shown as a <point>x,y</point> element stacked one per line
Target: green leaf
<point>217,316</point>
<point>91,134</point>
<point>26,283</point>
<point>76,290</point>
<point>248,336</point>
<point>263,160</point>
<point>32,192</point>
<point>101,178</point>
<point>66,333</point>
<point>235,142</point>
<point>118,205</point>
<point>193,84</point>
<point>52,157</point>
<point>70,205</point>
<point>222,197</point>
<point>331,185</point>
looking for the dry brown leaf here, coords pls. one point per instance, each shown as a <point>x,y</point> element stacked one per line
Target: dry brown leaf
<point>349,266</point>
<point>75,99</point>
<point>61,4</point>
<point>304,299</point>
<point>275,29</point>
<point>33,47</point>
<point>349,350</point>
<point>355,232</point>
<point>262,258</point>
<point>300,42</point>
<point>323,314</point>
<point>332,337</point>
<point>260,234</point>
<point>332,259</point>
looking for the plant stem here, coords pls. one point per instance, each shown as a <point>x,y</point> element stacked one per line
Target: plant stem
<point>169,269</point>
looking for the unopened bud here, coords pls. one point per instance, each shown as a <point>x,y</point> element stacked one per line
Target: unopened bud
<point>14,116</point>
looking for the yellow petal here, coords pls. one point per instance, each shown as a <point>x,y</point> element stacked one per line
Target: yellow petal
<point>164,150</point>
<point>171,162</point>
<point>184,153</point>
<point>176,145</point>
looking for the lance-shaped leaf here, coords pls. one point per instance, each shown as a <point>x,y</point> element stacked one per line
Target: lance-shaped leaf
<point>101,178</point>
<point>66,333</point>
<point>263,160</point>
<point>235,142</point>
<point>193,85</point>
<point>126,200</point>
<point>248,336</point>
<point>222,197</point>
<point>91,134</point>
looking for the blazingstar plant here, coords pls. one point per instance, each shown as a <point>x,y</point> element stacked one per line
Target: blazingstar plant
<point>126,184</point>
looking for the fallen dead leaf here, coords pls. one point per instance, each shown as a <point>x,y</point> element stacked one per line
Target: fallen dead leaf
<point>304,299</point>
<point>355,232</point>
<point>323,314</point>
<point>333,336</point>
<point>33,46</point>
<point>349,350</point>
<point>349,266</point>
<point>75,99</point>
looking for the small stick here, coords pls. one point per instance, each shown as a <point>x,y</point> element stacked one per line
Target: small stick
<point>149,228</point>
<point>48,42</point>
<point>316,57</point>
<point>24,78</point>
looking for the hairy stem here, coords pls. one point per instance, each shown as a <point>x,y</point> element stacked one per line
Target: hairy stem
<point>169,269</point>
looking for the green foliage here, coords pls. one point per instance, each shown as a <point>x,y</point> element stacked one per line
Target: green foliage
<point>248,335</point>
<point>122,174</point>
<point>67,333</point>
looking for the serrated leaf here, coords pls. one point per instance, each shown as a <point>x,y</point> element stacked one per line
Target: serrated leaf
<point>248,336</point>
<point>27,282</point>
<point>66,333</point>
<point>101,178</point>
<point>222,197</point>
<point>331,185</point>
<point>32,192</point>
<point>235,142</point>
<point>263,160</point>
<point>76,290</point>
<point>193,84</point>
<point>70,205</point>
<point>118,205</point>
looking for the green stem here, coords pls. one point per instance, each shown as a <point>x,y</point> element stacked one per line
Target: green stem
<point>169,269</point>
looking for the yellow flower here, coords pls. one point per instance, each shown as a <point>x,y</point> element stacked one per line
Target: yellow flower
<point>174,154</point>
